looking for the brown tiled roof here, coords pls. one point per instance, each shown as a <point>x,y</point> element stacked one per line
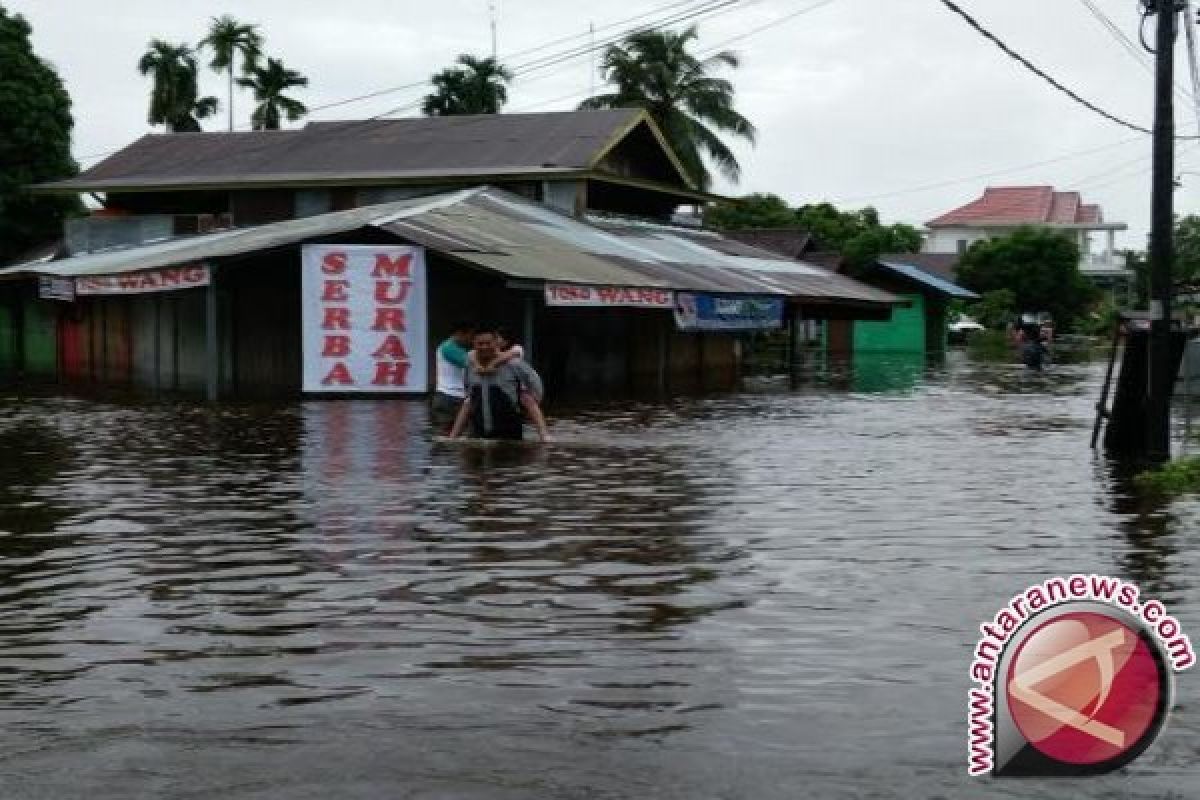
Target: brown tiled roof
<point>1018,205</point>
<point>366,150</point>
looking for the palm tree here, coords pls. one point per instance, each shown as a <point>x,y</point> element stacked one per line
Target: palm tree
<point>475,86</point>
<point>269,84</point>
<point>654,70</point>
<point>173,96</point>
<point>228,38</point>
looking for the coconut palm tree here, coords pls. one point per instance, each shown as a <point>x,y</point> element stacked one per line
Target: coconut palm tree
<point>654,70</point>
<point>173,96</point>
<point>227,38</point>
<point>474,86</point>
<point>269,84</point>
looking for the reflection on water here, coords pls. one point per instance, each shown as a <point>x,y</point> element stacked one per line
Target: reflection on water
<point>768,594</point>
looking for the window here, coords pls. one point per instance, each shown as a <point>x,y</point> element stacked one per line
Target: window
<point>962,246</point>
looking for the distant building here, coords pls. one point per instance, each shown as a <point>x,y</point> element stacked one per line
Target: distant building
<point>1002,209</point>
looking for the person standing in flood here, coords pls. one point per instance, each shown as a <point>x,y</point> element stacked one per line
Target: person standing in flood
<point>496,391</point>
<point>451,375</point>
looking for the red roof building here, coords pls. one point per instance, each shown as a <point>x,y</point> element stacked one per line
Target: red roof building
<point>1023,205</point>
<point>1002,208</point>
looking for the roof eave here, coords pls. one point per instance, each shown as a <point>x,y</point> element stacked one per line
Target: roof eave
<point>308,182</point>
<point>1067,226</point>
<point>655,186</point>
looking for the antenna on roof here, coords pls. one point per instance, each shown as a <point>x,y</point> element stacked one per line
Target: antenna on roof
<point>492,15</point>
<point>592,59</point>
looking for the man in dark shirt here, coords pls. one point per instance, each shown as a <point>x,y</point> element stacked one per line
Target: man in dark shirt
<point>495,393</point>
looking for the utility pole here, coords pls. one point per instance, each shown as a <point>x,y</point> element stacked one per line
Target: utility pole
<point>1161,379</point>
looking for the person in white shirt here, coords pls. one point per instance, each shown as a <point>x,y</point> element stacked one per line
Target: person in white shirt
<point>451,371</point>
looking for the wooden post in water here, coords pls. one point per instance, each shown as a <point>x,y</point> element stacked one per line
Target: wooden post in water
<point>212,363</point>
<point>527,324</point>
<point>1102,406</point>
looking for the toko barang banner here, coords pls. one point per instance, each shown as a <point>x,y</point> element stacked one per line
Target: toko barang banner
<point>365,319</point>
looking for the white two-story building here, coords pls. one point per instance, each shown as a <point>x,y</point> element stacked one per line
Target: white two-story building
<point>1002,209</point>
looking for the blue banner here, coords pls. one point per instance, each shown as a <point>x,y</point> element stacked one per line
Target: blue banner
<point>709,312</point>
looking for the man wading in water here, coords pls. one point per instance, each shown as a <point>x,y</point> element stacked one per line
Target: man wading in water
<point>496,391</point>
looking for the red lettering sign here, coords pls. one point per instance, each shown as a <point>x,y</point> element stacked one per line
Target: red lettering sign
<point>391,373</point>
<point>338,376</point>
<point>389,319</point>
<point>336,346</point>
<point>336,319</point>
<point>334,263</point>
<point>392,347</point>
<point>398,295</point>
<point>335,292</point>
<point>386,267</point>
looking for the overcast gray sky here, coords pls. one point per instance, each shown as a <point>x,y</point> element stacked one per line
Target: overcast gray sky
<point>857,101</point>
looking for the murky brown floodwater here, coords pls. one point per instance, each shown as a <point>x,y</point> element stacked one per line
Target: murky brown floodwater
<point>767,595</point>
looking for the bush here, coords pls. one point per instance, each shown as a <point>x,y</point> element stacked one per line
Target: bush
<point>1173,480</point>
<point>990,346</point>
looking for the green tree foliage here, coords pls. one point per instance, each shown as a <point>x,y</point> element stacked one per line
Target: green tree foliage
<point>1186,266</point>
<point>859,236</point>
<point>656,70</point>
<point>1040,267</point>
<point>269,84</point>
<point>995,309</point>
<point>472,86</point>
<point>227,39</point>
<point>174,99</point>
<point>751,211</point>
<point>35,141</point>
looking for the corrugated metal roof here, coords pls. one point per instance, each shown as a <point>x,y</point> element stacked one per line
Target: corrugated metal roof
<point>935,282</point>
<point>365,150</point>
<point>515,237</point>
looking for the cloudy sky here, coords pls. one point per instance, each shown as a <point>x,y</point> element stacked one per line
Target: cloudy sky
<point>895,103</point>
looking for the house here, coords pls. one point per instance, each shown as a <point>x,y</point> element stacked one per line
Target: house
<point>198,273</point>
<point>925,281</point>
<point>1002,209</point>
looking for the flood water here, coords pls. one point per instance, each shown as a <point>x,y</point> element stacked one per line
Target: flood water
<point>770,594</point>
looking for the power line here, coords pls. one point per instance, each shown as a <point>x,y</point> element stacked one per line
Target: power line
<point>1027,64</point>
<point>992,174</point>
<point>697,9</point>
<point>689,15</point>
<point>1193,63</point>
<point>1135,51</point>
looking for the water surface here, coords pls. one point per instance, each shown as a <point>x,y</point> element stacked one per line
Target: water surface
<point>771,594</point>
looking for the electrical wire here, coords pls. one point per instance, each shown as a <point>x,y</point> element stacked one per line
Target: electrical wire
<point>1129,46</point>
<point>677,15</point>
<point>1031,67</point>
<point>992,174</point>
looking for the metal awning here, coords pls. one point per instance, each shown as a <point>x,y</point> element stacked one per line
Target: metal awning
<point>522,240</point>
<point>935,282</point>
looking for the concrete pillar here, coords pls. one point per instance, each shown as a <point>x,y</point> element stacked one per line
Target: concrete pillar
<point>1111,246</point>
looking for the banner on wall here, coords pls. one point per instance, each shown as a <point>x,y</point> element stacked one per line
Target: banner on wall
<point>54,287</point>
<point>365,319</point>
<point>708,312</point>
<point>167,279</point>
<point>571,294</point>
